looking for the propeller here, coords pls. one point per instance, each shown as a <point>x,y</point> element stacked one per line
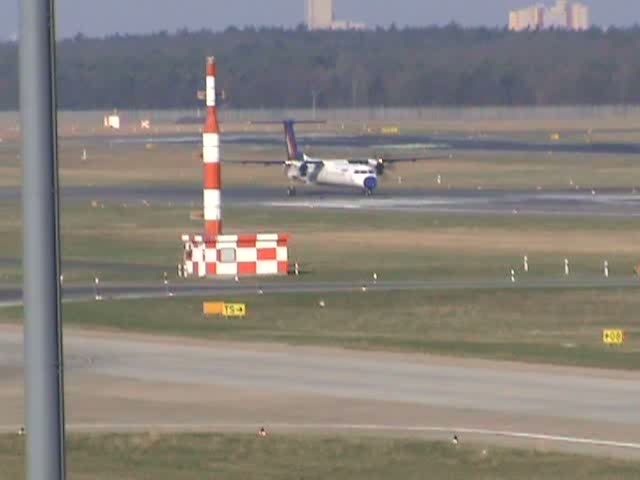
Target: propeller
<point>380,165</point>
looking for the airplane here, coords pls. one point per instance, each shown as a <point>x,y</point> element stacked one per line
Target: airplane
<point>362,173</point>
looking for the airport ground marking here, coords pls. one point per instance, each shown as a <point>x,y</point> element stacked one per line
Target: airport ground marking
<point>337,427</point>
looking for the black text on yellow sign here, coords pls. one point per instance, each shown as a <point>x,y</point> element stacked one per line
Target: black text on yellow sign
<point>613,337</point>
<point>234,310</point>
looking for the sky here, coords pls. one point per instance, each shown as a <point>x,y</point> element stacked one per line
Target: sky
<point>99,17</point>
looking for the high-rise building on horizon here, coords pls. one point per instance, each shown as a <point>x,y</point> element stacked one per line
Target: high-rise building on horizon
<point>564,14</point>
<point>320,15</point>
<point>579,17</point>
<point>531,18</point>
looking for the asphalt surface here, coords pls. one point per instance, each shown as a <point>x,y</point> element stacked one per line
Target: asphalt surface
<point>567,396</point>
<point>567,399</point>
<point>589,203</point>
<point>388,142</point>
<point>12,295</point>
<point>601,202</point>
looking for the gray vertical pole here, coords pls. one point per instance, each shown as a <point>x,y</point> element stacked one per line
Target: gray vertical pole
<point>44,390</point>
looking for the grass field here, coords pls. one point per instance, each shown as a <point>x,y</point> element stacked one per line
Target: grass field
<point>562,326</point>
<point>338,244</point>
<point>547,326</point>
<point>520,120</point>
<point>203,456</point>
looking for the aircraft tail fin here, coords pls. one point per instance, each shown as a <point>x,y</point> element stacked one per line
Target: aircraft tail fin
<point>293,154</point>
<point>290,140</point>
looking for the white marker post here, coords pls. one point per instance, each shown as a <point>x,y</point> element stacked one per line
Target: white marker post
<point>566,267</point>
<point>296,269</point>
<point>606,269</point>
<point>526,264</point>
<point>513,276</point>
<point>439,180</point>
<point>97,289</point>
<point>375,277</point>
<point>166,286</point>
<point>84,154</point>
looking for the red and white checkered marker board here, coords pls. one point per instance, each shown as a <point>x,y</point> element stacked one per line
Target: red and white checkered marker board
<point>236,255</point>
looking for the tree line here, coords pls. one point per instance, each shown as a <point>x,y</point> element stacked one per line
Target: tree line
<point>278,68</point>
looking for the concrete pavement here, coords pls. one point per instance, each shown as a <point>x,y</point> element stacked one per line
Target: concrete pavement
<point>12,295</point>
<point>132,383</point>
<point>603,202</point>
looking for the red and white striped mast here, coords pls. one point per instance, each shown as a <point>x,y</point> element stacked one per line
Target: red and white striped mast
<point>211,159</point>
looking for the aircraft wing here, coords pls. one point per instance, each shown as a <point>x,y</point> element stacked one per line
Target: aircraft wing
<point>381,163</point>
<point>388,160</point>
<point>409,159</point>
<point>273,163</point>
<point>266,163</point>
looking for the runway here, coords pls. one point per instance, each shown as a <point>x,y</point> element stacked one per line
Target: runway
<point>377,142</point>
<point>140,378</point>
<point>12,295</point>
<point>591,203</point>
<point>601,202</point>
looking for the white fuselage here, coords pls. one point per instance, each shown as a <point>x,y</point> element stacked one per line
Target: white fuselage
<point>334,172</point>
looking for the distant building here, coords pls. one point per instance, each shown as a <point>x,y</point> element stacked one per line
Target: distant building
<point>531,18</point>
<point>320,16</point>
<point>579,17</point>
<point>112,121</point>
<point>564,14</point>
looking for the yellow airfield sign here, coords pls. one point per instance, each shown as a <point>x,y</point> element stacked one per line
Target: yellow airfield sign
<point>224,309</point>
<point>613,337</point>
<point>234,310</point>
<point>212,308</point>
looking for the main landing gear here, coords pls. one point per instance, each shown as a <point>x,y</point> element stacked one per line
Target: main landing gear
<point>291,191</point>
<point>368,192</point>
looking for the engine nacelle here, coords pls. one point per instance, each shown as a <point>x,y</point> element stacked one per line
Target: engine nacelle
<point>378,164</point>
<point>303,169</point>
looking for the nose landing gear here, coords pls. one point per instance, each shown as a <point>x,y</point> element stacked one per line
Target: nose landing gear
<point>291,191</point>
